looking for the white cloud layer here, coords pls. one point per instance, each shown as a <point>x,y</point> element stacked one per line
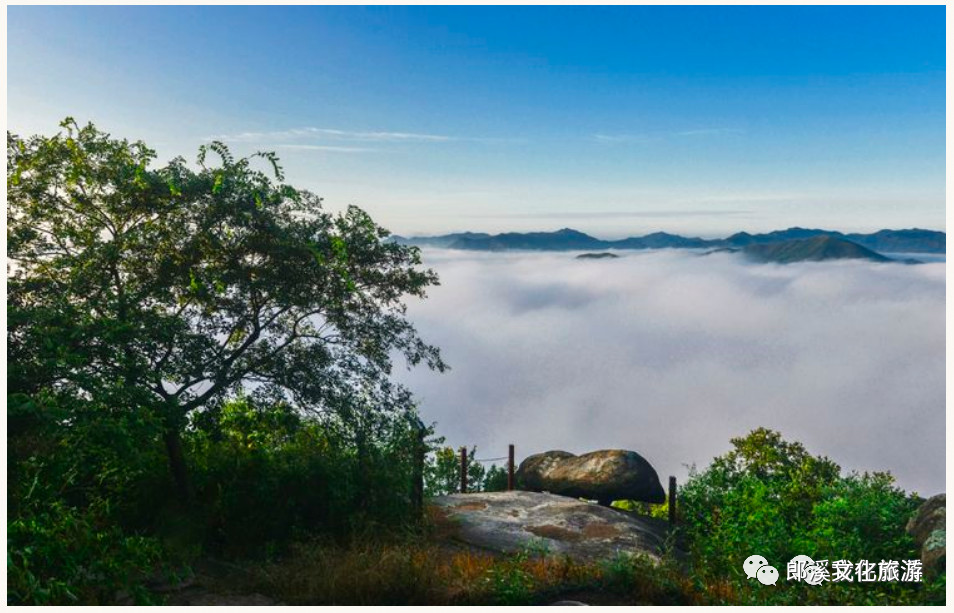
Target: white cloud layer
<point>672,354</point>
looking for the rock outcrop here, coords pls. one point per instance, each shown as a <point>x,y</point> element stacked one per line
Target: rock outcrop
<point>605,476</point>
<point>929,532</point>
<point>511,522</point>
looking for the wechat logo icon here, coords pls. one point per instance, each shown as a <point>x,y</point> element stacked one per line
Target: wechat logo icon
<point>757,567</point>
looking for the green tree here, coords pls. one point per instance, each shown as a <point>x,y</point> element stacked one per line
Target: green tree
<point>475,472</point>
<point>495,480</point>
<point>442,471</point>
<point>169,289</point>
<point>771,497</point>
<point>759,496</point>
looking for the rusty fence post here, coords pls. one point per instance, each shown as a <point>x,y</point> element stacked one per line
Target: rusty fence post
<point>510,484</point>
<point>463,470</point>
<point>672,501</point>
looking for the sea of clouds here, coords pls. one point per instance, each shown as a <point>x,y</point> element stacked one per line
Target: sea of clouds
<point>671,354</point>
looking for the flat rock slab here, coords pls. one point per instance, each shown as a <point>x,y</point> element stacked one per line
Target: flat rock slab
<point>510,522</point>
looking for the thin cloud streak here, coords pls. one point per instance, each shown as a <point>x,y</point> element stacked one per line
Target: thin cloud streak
<point>332,134</point>
<point>330,148</point>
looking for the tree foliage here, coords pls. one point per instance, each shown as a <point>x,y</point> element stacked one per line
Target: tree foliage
<point>442,472</point>
<point>771,497</point>
<point>209,318</point>
<point>169,289</point>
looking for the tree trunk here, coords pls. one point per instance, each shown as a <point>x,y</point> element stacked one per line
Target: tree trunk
<point>177,465</point>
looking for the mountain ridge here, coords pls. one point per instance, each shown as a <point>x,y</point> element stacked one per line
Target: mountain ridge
<point>912,240</point>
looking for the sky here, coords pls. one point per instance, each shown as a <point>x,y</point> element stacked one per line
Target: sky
<point>672,354</point>
<point>614,121</point>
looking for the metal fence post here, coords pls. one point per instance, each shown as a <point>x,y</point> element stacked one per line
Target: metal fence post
<point>463,470</point>
<point>510,484</point>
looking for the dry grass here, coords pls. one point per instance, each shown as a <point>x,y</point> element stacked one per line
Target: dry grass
<point>425,572</point>
<point>430,569</point>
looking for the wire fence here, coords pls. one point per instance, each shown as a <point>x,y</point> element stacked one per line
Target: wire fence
<point>418,488</point>
<point>503,457</point>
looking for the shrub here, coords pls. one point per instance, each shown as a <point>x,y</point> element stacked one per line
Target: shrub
<point>75,484</point>
<point>65,555</point>
<point>772,498</point>
<point>266,475</point>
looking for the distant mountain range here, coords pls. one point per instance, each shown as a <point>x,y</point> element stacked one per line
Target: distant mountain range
<point>884,241</point>
<point>815,249</point>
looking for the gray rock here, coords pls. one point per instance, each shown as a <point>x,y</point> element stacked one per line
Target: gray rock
<point>511,522</point>
<point>607,475</point>
<point>929,532</point>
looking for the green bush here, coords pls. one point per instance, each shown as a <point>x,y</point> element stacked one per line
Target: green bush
<point>862,517</point>
<point>509,583</point>
<point>266,475</point>
<point>77,483</point>
<point>64,555</point>
<point>772,498</point>
<point>82,490</point>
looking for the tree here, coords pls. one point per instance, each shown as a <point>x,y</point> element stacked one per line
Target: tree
<point>772,497</point>
<point>442,472</point>
<point>170,289</point>
<point>496,479</point>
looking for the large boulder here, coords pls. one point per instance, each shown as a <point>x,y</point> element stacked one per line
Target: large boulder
<point>607,475</point>
<point>929,532</point>
<point>512,522</point>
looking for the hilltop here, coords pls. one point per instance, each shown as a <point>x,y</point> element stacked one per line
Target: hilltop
<point>815,249</point>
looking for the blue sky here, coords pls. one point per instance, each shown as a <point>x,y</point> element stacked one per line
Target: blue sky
<point>615,121</point>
